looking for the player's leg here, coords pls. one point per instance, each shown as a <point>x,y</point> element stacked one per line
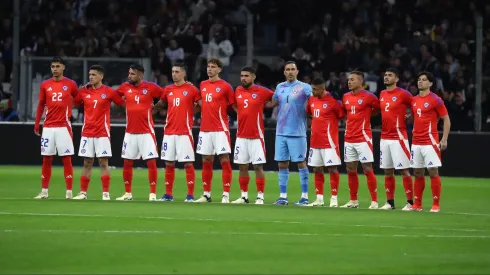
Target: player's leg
<point>129,153</point>
<point>206,148</point>
<point>256,148</point>
<point>432,158</point>
<point>331,159</point>
<point>351,159</point>
<point>190,176</point>
<point>281,155</point>
<point>297,148</point>
<point>400,151</point>
<point>408,188</point>
<point>259,182</point>
<point>242,157</point>
<point>48,149</point>
<point>418,164</point>
<point>386,163</point>
<point>223,142</point>
<point>64,145</point>
<point>85,178</point>
<point>147,145</point>
<point>169,154</point>
<point>185,154</point>
<point>366,156</point>
<point>243,180</point>
<point>315,159</point>
<point>105,178</point>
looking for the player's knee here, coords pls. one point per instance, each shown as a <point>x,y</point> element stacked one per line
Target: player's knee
<point>318,170</point>
<point>207,158</point>
<point>187,164</point>
<point>258,168</point>
<point>224,157</point>
<point>302,164</point>
<point>389,172</point>
<point>433,172</point>
<point>332,170</point>
<point>47,159</point>
<point>418,173</point>
<point>88,162</point>
<point>405,173</point>
<point>170,163</point>
<point>283,165</point>
<point>367,167</point>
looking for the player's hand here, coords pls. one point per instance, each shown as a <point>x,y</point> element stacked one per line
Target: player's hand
<point>36,130</point>
<point>443,144</point>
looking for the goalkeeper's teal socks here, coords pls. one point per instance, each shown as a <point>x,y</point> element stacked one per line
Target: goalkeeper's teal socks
<point>283,182</point>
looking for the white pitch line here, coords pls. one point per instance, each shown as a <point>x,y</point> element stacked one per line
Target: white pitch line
<point>241,221</point>
<point>55,231</point>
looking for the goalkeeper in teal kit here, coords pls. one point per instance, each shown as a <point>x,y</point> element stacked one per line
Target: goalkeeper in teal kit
<point>291,98</point>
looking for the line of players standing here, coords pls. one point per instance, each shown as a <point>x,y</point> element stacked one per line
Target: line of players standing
<point>291,97</point>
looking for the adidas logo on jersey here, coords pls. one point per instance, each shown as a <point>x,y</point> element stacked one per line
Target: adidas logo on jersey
<point>399,165</point>
<point>430,163</point>
<point>67,151</point>
<point>223,149</point>
<point>104,153</point>
<point>187,157</point>
<point>300,156</point>
<point>240,96</point>
<point>382,99</point>
<point>150,154</point>
<point>347,102</point>
<point>204,89</point>
<point>171,93</point>
<point>329,161</point>
<point>364,158</point>
<point>259,159</point>
<point>129,92</point>
<point>88,96</point>
<point>50,89</point>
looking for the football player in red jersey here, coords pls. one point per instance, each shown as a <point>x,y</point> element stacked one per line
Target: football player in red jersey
<point>325,113</point>
<point>427,109</point>
<point>214,137</point>
<point>96,132</point>
<point>250,143</point>
<point>178,142</point>
<point>139,140</point>
<point>56,95</point>
<point>359,105</point>
<point>394,148</point>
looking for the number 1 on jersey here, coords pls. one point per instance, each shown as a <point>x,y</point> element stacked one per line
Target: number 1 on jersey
<point>352,109</point>
<point>316,113</point>
<point>176,101</point>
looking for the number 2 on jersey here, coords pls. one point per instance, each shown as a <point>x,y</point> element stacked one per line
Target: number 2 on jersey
<point>387,107</point>
<point>57,97</point>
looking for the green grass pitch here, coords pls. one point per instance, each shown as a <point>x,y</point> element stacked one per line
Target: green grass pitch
<point>94,236</point>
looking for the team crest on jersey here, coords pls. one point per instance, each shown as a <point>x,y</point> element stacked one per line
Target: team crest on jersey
<point>185,93</point>
<point>426,104</point>
<point>145,91</point>
<point>324,105</point>
<point>254,96</point>
<point>359,101</point>
<point>65,88</point>
<point>296,89</point>
<point>394,98</point>
<point>218,90</point>
<point>103,96</point>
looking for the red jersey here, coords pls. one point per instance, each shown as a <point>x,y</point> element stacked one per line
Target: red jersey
<point>97,110</point>
<point>250,109</point>
<point>57,97</point>
<point>216,97</point>
<point>325,114</point>
<point>426,111</point>
<point>394,106</point>
<point>139,101</point>
<point>181,101</point>
<point>359,108</point>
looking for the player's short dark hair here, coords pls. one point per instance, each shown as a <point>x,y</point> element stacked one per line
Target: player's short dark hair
<point>359,73</point>
<point>57,59</point>
<point>318,81</point>
<point>429,75</point>
<point>97,68</point>
<point>137,67</point>
<point>181,65</point>
<point>393,70</point>
<point>216,62</point>
<point>249,69</point>
<point>290,62</point>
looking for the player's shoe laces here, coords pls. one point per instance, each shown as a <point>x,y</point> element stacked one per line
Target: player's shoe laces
<point>152,197</point>
<point>81,196</point>
<point>435,209</point>
<point>334,202</point>
<point>106,196</point>
<point>302,202</point>
<point>203,198</point>
<point>241,200</point>
<point>416,207</point>
<point>69,194</point>
<point>225,199</point>
<point>351,204</point>
<point>374,205</point>
<point>259,201</point>
<point>317,202</point>
<point>387,206</point>
<point>407,207</point>
<point>125,197</point>
<point>281,201</point>
<point>167,198</point>
<point>41,196</point>
<point>189,198</point>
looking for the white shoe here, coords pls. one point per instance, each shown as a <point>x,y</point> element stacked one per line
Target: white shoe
<point>69,194</point>
<point>387,206</point>
<point>351,204</point>
<point>334,202</point>
<point>81,196</point>
<point>41,196</point>
<point>203,198</point>
<point>317,202</point>
<point>125,197</point>
<point>241,200</point>
<point>374,205</point>
<point>225,199</point>
<point>152,197</point>
<point>407,207</point>
<point>106,196</point>
<point>259,201</point>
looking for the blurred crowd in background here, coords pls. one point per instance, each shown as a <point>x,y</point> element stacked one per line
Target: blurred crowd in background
<point>325,40</point>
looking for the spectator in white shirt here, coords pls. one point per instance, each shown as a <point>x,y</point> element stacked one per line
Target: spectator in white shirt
<point>174,52</point>
<point>221,48</point>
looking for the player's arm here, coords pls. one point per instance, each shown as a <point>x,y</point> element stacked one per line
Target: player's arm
<point>340,111</point>
<point>275,99</point>
<point>78,100</point>
<point>162,102</point>
<point>231,98</point>
<point>197,100</point>
<point>116,98</point>
<point>443,114</point>
<point>375,106</point>
<point>40,109</point>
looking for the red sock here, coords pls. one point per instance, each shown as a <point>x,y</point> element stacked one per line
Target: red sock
<point>244,183</point>
<point>390,187</point>
<point>84,181</point>
<point>319,183</point>
<point>190,176</point>
<point>152,174</point>
<point>372,185</point>
<point>260,182</point>
<point>128,174</point>
<point>68,171</point>
<point>46,171</point>
<point>106,182</point>
<point>353,181</point>
<point>419,187</point>
<point>169,179</point>
<point>408,186</point>
<point>334,183</point>
<point>226,176</point>
<point>207,175</point>
<point>435,185</point>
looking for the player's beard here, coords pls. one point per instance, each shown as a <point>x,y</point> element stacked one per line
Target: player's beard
<point>247,85</point>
